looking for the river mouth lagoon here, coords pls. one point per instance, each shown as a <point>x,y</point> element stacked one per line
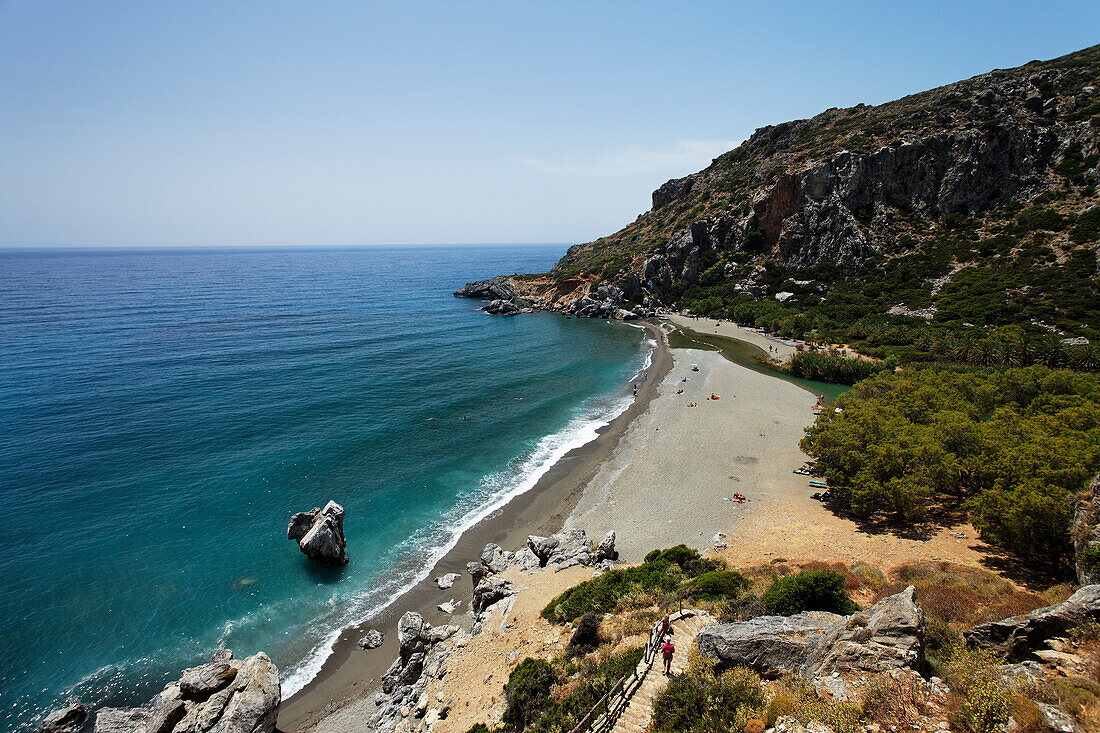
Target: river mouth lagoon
<point>164,412</point>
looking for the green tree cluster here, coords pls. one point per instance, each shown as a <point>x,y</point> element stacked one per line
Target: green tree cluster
<point>1013,447</point>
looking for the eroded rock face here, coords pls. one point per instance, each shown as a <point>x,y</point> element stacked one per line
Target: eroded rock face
<point>888,635</point>
<point>371,640</point>
<point>1019,637</point>
<point>495,288</point>
<point>320,534</point>
<point>424,650</point>
<point>770,645</point>
<point>225,696</point>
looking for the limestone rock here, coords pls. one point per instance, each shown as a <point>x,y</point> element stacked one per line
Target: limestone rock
<point>489,591</point>
<point>200,682</point>
<point>325,540</point>
<point>121,720</point>
<point>446,581</point>
<point>69,719</point>
<point>165,718</point>
<point>888,635</point>
<point>496,288</point>
<point>1017,637</point>
<point>254,706</point>
<point>372,640</point>
<point>770,645</point>
<point>1057,720</point>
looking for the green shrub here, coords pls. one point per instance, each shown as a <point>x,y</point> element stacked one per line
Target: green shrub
<point>833,369</point>
<point>811,590</point>
<point>527,692</point>
<point>716,585</point>
<point>1087,228</point>
<point>1090,559</point>
<point>701,702</point>
<point>662,572</point>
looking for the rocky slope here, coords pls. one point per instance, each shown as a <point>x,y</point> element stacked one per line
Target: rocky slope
<point>998,171</point>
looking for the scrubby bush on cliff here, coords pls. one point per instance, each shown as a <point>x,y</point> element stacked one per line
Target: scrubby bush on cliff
<point>986,702</point>
<point>1012,446</point>
<point>527,692</point>
<point>700,701</point>
<point>811,590</point>
<point>546,698</point>
<point>662,572</point>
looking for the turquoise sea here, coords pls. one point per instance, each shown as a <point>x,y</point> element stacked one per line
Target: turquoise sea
<point>163,413</point>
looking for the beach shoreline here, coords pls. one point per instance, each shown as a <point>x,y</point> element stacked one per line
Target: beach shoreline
<point>350,674</point>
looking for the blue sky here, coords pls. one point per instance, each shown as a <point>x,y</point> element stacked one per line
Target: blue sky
<point>253,123</point>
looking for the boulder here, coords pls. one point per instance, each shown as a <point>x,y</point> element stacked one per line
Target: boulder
<point>372,640</point>
<point>495,558</point>
<point>586,637</point>
<point>542,547</point>
<point>477,571</point>
<point>69,719</point>
<point>1016,638</point>
<point>320,534</point>
<point>198,683</point>
<point>888,635</point>
<point>606,549</point>
<point>770,645</point>
<point>254,706</point>
<point>446,581</point>
<point>121,720</point>
<point>165,717</point>
<point>489,591</point>
<point>1057,720</point>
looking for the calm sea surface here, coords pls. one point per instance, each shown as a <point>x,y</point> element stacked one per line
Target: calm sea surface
<point>163,413</point>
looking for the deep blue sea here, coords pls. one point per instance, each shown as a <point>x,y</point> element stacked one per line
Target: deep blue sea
<point>163,413</point>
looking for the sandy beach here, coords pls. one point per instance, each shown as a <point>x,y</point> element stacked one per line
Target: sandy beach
<point>661,474</point>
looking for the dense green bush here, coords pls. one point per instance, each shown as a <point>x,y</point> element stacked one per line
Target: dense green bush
<point>702,702</point>
<point>564,710</point>
<point>662,572</point>
<point>716,585</point>
<point>527,692</point>
<point>1012,446</point>
<point>834,369</point>
<point>811,590</point>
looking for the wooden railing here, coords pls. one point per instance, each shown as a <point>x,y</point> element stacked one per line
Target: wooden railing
<point>605,713</point>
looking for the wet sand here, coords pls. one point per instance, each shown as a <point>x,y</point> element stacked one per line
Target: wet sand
<point>351,674</point>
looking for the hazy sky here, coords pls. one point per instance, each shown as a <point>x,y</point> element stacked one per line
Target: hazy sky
<point>157,123</point>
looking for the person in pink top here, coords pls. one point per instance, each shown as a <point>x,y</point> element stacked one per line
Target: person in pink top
<point>667,650</point>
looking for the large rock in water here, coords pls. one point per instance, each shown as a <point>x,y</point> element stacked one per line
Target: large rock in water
<point>320,534</point>
<point>888,635</point>
<point>1017,637</point>
<point>224,696</point>
<point>770,645</point>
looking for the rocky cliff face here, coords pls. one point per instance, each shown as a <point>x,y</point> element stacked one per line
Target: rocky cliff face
<point>848,188</point>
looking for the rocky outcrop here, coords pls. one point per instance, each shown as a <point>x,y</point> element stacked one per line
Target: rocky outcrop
<point>225,695</point>
<point>444,582</point>
<point>423,651</point>
<point>495,288</point>
<point>320,534</point>
<point>69,719</point>
<point>770,645</point>
<point>371,640</point>
<point>573,547</point>
<point>1019,637</point>
<point>1086,535</point>
<point>886,636</point>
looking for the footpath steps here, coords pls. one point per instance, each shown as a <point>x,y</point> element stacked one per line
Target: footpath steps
<point>636,717</point>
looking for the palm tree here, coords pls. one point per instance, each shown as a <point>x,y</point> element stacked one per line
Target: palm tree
<point>1025,353</point>
<point>1007,353</point>
<point>985,353</point>
<point>1052,352</point>
<point>964,347</point>
<point>1086,358</point>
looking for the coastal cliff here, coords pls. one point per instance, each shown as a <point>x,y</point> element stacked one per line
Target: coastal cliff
<point>870,211</point>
